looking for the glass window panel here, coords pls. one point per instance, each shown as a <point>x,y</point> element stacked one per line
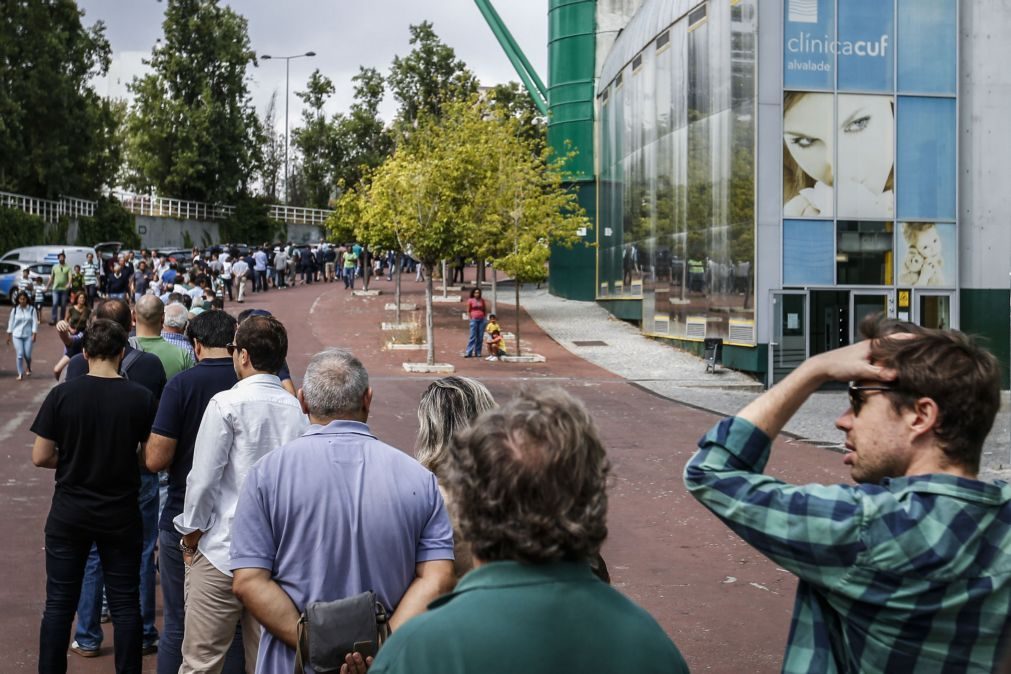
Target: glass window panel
<point>808,61</point>
<point>935,311</point>
<point>928,38</point>
<point>925,180</point>
<point>927,254</point>
<point>808,252</point>
<point>808,138</point>
<point>865,175</point>
<point>866,47</point>
<point>864,253</point>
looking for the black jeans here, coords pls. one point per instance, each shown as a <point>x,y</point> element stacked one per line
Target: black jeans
<point>66,555</point>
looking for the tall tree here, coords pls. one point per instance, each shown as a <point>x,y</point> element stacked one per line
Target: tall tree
<point>362,141</point>
<point>57,136</point>
<point>427,78</point>
<point>272,152</point>
<point>510,100</point>
<point>194,131</point>
<point>314,140</point>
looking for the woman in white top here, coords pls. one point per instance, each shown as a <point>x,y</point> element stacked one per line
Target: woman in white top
<point>22,328</point>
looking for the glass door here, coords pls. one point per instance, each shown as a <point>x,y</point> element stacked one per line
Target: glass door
<point>789,333</point>
<point>933,310</point>
<point>867,303</point>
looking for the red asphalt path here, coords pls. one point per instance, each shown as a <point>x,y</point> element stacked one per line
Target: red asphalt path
<point>726,607</point>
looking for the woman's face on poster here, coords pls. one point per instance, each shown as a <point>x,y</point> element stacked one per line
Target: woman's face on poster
<point>864,134</point>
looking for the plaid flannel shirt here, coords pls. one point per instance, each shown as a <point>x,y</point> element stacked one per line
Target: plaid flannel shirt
<point>911,575</point>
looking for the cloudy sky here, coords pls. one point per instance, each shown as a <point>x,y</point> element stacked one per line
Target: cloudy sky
<point>343,33</point>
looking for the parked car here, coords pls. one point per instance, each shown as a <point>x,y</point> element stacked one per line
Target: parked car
<point>75,254</point>
<point>39,272</point>
<point>182,257</point>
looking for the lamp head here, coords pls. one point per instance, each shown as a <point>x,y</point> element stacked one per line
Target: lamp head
<point>310,53</point>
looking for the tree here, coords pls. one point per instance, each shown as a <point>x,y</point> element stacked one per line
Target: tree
<point>271,151</point>
<point>428,78</point>
<point>510,100</point>
<point>193,131</point>
<point>57,136</point>
<point>111,222</point>
<point>314,140</point>
<point>251,222</point>
<point>362,141</point>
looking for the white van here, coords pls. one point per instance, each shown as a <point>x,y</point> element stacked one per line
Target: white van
<point>75,254</point>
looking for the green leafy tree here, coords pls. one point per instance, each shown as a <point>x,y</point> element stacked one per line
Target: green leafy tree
<point>511,100</point>
<point>18,229</point>
<point>194,133</point>
<point>314,140</point>
<point>362,141</point>
<point>271,169</point>
<point>57,135</point>
<point>251,222</point>
<point>111,222</point>
<point>428,78</point>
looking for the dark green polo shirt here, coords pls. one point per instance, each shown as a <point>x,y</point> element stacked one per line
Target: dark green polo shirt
<point>512,617</point>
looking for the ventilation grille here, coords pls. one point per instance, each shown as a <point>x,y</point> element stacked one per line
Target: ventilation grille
<point>661,323</point>
<point>637,63</point>
<point>697,16</point>
<point>663,40</point>
<point>603,290</point>
<point>695,327</point>
<point>742,332</point>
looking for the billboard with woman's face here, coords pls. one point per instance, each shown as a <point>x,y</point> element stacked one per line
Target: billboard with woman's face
<point>838,155</point>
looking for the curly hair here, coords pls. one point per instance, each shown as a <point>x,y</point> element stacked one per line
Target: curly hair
<point>951,369</point>
<point>448,405</point>
<point>528,481</point>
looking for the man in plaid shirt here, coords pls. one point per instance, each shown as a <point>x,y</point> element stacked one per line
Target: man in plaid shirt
<point>910,570</point>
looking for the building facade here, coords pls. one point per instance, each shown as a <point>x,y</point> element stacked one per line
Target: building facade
<point>770,173</point>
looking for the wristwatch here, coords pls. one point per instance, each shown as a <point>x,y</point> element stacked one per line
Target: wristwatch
<point>185,548</point>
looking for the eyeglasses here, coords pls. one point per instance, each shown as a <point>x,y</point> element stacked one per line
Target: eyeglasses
<point>858,395</point>
<point>232,348</point>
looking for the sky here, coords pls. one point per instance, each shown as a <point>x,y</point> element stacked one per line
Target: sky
<point>343,33</point>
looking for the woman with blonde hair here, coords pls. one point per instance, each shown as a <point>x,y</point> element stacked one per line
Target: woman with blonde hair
<point>448,406</point>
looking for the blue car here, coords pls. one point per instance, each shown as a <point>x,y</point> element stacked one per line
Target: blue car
<point>9,272</point>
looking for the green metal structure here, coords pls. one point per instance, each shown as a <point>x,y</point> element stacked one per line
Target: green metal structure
<point>572,43</point>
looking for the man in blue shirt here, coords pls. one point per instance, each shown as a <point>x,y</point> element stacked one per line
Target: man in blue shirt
<point>335,513</point>
<point>171,447</point>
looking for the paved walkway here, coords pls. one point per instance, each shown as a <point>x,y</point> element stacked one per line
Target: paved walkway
<point>680,376</point>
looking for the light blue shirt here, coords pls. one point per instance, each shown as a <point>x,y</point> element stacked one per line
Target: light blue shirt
<point>23,322</point>
<point>239,426</point>
<point>335,513</point>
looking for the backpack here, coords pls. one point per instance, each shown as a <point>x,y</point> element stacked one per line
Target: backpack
<point>129,360</point>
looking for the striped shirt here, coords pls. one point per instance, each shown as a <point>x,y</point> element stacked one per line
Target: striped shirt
<point>90,270</point>
<point>909,575</point>
<point>25,284</point>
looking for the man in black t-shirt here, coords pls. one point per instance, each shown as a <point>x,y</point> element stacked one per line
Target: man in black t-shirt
<point>88,430</point>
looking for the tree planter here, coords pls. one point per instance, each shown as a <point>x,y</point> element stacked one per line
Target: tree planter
<point>434,368</point>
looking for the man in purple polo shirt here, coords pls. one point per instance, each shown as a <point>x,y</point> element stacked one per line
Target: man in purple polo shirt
<point>334,513</point>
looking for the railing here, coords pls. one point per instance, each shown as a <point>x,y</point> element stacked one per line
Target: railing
<point>47,209</point>
<point>159,207</point>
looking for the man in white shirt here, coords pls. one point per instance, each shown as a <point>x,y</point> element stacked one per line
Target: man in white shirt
<point>239,269</point>
<point>239,426</point>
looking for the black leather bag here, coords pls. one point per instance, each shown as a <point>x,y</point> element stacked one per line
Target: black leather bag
<point>329,630</point>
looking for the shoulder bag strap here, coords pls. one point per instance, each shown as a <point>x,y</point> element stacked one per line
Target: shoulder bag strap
<point>301,645</point>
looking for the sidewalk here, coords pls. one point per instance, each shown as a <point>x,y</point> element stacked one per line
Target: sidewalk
<point>679,376</point>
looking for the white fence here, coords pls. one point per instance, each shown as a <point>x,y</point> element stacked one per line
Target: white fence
<point>48,210</point>
<point>159,207</point>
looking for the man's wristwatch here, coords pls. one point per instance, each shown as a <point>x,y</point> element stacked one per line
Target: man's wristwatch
<point>187,550</point>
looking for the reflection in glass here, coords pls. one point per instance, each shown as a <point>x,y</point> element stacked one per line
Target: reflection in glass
<point>864,253</point>
<point>677,176</point>
<point>935,311</point>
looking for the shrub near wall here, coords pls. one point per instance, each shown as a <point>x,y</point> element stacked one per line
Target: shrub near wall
<point>111,222</point>
<point>18,228</point>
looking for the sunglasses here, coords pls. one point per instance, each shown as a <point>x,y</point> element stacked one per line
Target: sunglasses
<point>232,348</point>
<point>858,395</point>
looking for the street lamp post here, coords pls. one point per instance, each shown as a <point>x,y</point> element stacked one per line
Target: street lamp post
<point>287,72</point>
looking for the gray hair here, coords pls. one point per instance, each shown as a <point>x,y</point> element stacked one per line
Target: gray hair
<point>448,405</point>
<point>176,316</point>
<point>335,384</point>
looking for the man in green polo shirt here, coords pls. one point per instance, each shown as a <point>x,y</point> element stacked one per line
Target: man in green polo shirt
<point>59,283</point>
<point>528,484</point>
<point>150,317</point>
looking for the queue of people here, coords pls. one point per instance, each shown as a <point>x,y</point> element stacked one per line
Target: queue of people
<point>482,553</point>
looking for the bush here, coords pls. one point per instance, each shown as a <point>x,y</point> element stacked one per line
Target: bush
<point>251,223</point>
<point>18,229</point>
<point>111,222</point>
